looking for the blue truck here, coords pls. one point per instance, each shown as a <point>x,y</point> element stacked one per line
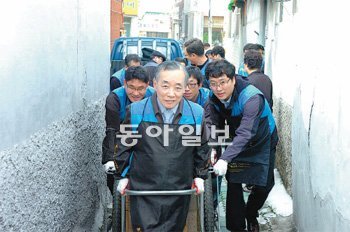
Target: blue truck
<point>134,45</point>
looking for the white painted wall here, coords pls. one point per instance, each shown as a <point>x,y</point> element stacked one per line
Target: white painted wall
<point>253,22</point>
<point>54,76</point>
<point>307,56</point>
<point>53,58</point>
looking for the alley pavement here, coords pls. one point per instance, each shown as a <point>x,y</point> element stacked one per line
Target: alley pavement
<point>273,217</point>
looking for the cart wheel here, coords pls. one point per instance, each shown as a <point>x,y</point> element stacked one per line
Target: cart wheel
<point>209,221</point>
<point>116,214</point>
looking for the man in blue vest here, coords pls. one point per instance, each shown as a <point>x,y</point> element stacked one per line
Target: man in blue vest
<point>194,52</point>
<point>135,89</point>
<point>250,156</point>
<point>194,91</point>
<point>251,47</point>
<point>117,79</point>
<point>161,159</point>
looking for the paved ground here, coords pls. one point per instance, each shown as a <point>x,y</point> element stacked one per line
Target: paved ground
<point>268,219</point>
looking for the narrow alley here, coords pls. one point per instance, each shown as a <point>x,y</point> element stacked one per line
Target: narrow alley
<point>267,76</point>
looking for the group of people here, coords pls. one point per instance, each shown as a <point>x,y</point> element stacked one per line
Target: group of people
<point>162,126</point>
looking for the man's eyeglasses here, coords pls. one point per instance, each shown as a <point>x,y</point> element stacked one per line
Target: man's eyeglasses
<point>192,85</point>
<point>215,85</point>
<point>132,88</point>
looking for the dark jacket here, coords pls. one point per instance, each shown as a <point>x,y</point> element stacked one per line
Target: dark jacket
<point>263,83</point>
<point>251,129</point>
<point>203,68</point>
<point>151,68</point>
<point>117,79</point>
<point>116,103</point>
<point>201,156</point>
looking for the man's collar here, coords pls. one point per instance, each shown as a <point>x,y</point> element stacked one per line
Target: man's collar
<point>226,103</point>
<point>163,109</point>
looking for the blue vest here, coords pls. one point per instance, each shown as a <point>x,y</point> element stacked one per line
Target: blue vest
<point>192,113</point>
<point>241,70</point>
<point>243,73</point>
<point>203,96</point>
<point>120,75</point>
<point>244,96</point>
<point>124,100</point>
<point>205,81</point>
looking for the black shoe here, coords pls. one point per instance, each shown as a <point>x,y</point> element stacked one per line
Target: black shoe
<point>253,225</point>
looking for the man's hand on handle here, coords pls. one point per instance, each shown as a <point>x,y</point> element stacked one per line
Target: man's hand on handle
<point>220,168</point>
<point>109,167</point>
<point>199,185</point>
<point>122,185</point>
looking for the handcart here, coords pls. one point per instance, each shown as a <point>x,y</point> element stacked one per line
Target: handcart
<point>205,221</point>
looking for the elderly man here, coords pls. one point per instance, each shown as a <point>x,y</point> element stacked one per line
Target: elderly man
<point>162,160</point>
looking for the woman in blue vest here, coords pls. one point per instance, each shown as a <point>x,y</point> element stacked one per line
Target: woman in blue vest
<point>135,89</point>
<point>251,155</point>
<point>163,161</point>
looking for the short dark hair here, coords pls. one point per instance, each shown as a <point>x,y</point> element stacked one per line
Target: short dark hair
<point>249,46</point>
<point>180,60</point>
<point>260,47</point>
<point>158,54</point>
<point>131,57</point>
<point>206,44</point>
<point>218,50</point>
<point>217,68</point>
<point>136,72</point>
<point>196,73</point>
<point>209,52</point>
<point>253,59</point>
<point>194,46</point>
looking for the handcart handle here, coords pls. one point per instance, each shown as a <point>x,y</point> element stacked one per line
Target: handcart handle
<point>158,193</point>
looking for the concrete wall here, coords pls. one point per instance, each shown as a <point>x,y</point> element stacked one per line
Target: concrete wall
<point>305,59</point>
<point>278,46</point>
<point>54,68</point>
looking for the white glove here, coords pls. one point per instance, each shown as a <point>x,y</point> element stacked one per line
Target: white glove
<point>109,167</point>
<point>123,183</point>
<point>199,185</point>
<point>213,156</point>
<point>220,167</point>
